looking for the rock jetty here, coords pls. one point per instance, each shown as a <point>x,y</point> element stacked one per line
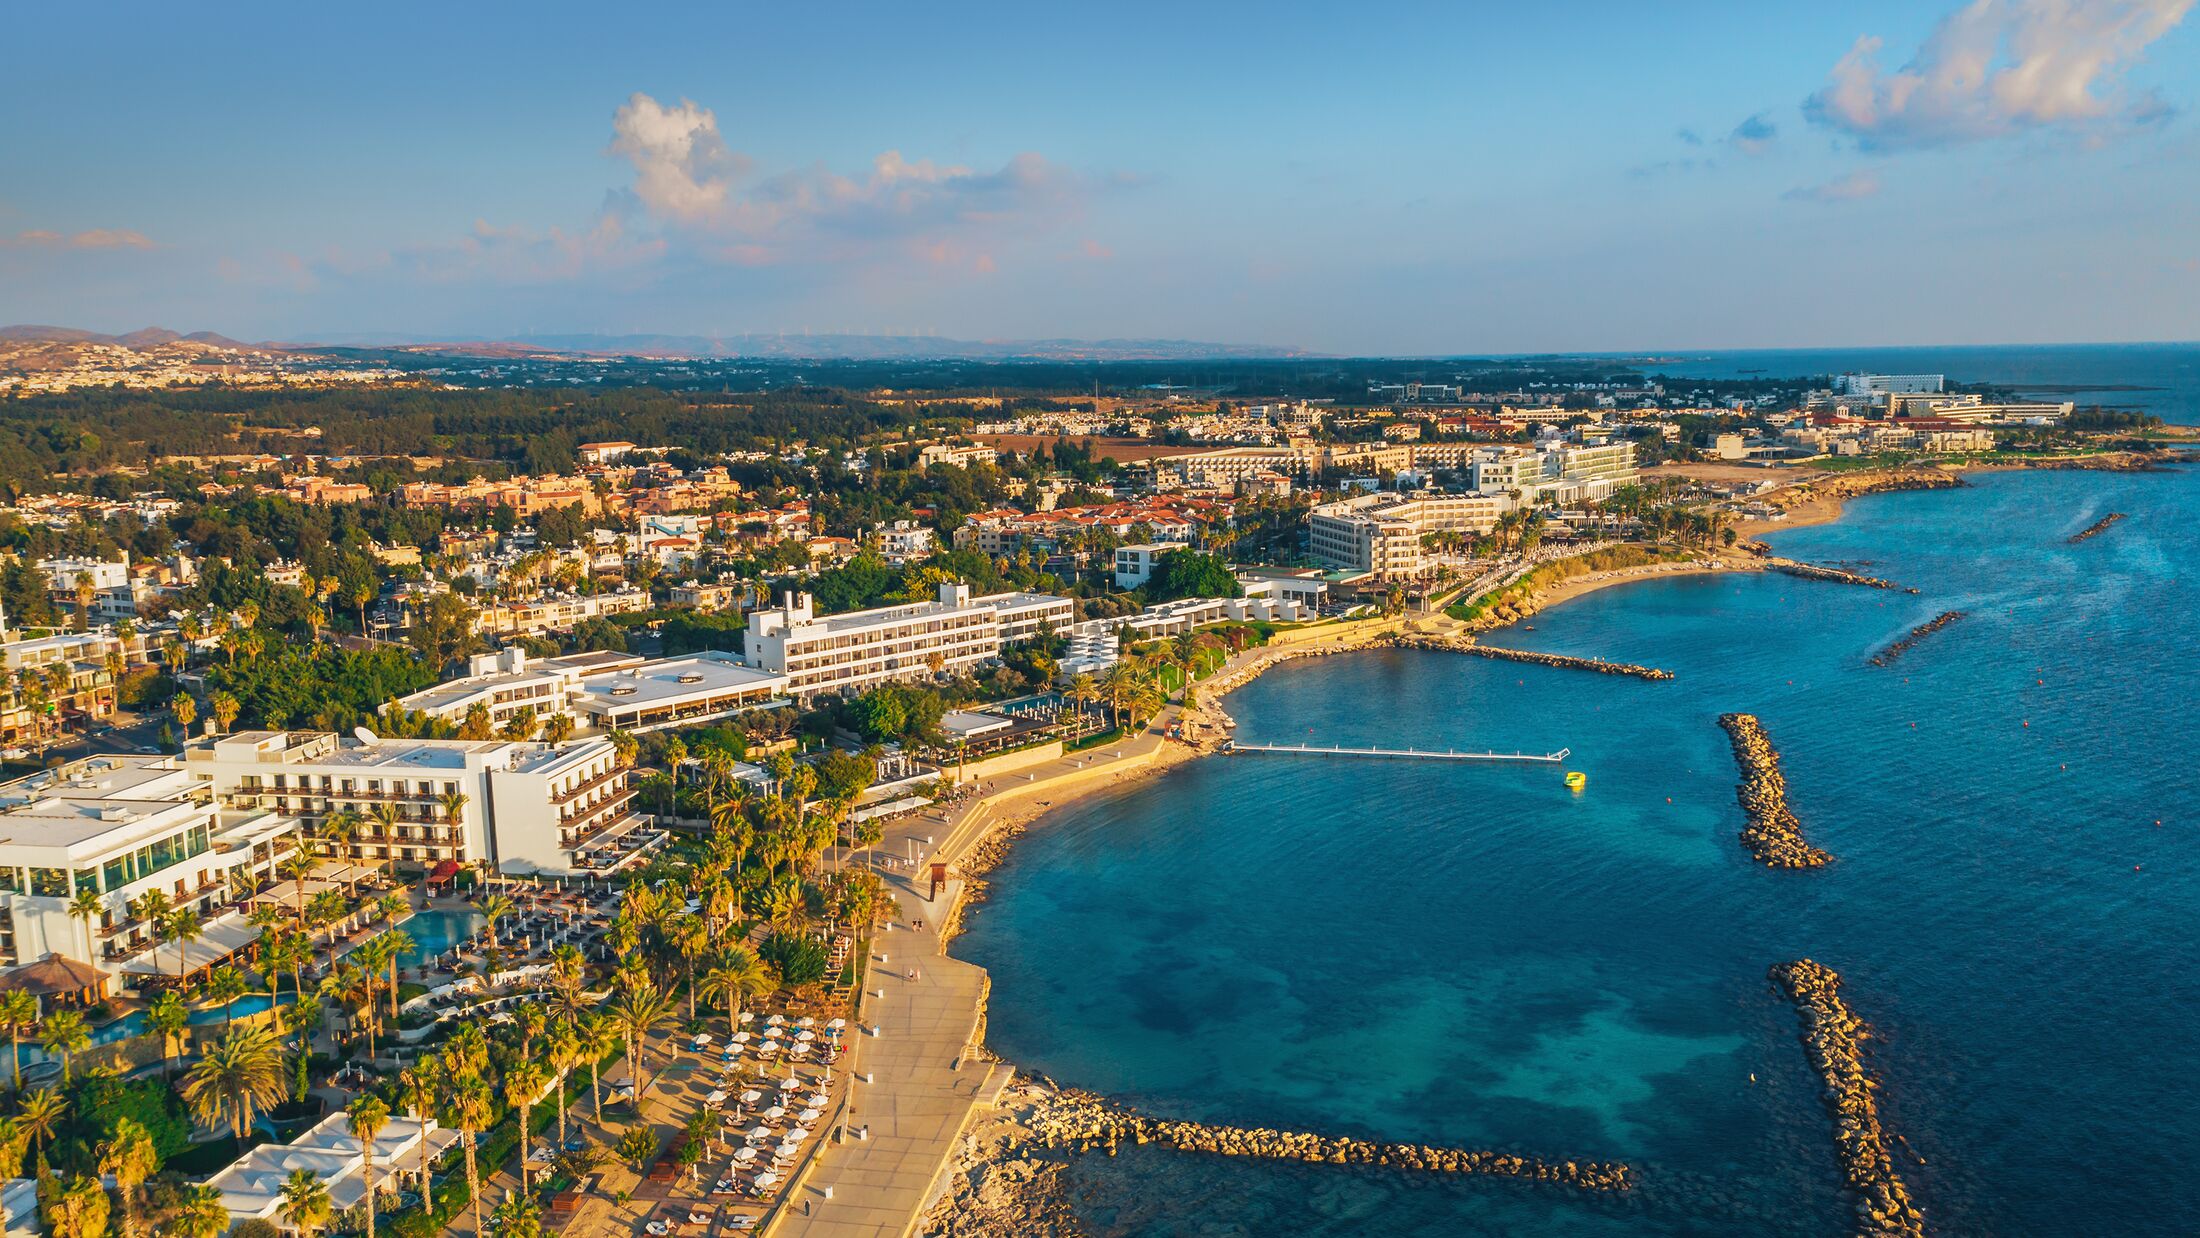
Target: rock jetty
<point>1082,1122</point>
<point>1880,481</point>
<point>1834,1036</point>
<point>1812,571</point>
<point>2095,529</point>
<point>1886,657</point>
<point>1773,835</point>
<point>1599,665</point>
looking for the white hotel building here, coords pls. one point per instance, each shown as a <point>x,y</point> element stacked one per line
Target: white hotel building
<point>120,826</point>
<point>852,651</point>
<point>529,807</point>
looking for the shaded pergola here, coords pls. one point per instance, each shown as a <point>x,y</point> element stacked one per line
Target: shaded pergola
<point>58,977</point>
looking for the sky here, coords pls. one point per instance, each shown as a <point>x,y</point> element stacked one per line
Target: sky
<point>1371,178</point>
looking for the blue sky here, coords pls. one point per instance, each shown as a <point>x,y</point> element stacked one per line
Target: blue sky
<point>1371,178</point>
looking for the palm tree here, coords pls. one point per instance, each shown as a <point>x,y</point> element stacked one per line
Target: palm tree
<point>326,910</point>
<point>638,1012</point>
<point>399,943</point>
<point>168,1018</point>
<point>226,710</point>
<point>359,989</point>
<point>517,1217</point>
<point>368,1116</point>
<point>201,1214</point>
<point>181,927</point>
<point>598,1036</point>
<point>338,829</point>
<point>738,975</point>
<point>86,907</point>
<point>226,985</point>
<point>306,1204</point>
<point>495,908</point>
<point>186,712</point>
<point>38,1118</point>
<point>65,1033</point>
<point>689,938</point>
<point>524,1081</point>
<point>153,907</point>
<point>235,1079</point>
<point>416,1086</point>
<point>130,1156</point>
<point>18,1014</point>
<point>386,816</point>
<point>563,1049</point>
<point>470,1111</point>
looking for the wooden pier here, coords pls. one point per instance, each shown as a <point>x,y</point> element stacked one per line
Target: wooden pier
<point>1414,754</point>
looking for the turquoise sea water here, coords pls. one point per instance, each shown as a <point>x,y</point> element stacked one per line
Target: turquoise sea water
<point>1475,955</point>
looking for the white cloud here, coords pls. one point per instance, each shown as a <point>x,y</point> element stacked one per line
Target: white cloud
<point>1998,67</point>
<point>1853,187</point>
<point>688,180</point>
<point>681,166</point>
<point>94,238</point>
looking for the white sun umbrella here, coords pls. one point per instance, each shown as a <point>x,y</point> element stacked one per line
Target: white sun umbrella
<point>818,1100</point>
<point>715,1099</point>
<point>776,1020</point>
<point>751,1096</point>
<point>806,1021</point>
<point>760,1132</point>
<point>837,1024</point>
<point>805,1034</point>
<point>809,1115</point>
<point>740,1038</point>
<point>793,1081</point>
<point>747,1015</point>
<point>745,1155</point>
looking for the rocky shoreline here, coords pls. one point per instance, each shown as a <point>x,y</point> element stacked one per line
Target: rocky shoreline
<point>1566,661</point>
<point>2097,528</point>
<point>1774,837</point>
<point>1009,1177</point>
<point>1812,571</point>
<point>1834,1036</point>
<point>1886,657</point>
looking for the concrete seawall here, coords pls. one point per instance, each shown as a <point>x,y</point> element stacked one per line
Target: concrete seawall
<point>1530,656</point>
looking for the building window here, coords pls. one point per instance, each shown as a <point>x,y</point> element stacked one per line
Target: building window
<point>50,882</point>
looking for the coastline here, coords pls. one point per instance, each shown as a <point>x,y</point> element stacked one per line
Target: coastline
<point>1000,1181</point>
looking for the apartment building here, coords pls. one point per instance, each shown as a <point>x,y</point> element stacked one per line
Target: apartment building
<point>522,807</point>
<point>840,653</point>
<point>1561,472</point>
<point>1381,533</point>
<point>119,827</point>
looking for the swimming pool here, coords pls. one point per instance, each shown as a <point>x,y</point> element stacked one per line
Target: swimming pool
<point>436,931</point>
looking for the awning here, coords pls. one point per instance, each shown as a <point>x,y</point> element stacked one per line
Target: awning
<point>218,939</point>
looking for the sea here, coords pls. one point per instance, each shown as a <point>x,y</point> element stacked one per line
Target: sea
<point>2161,379</point>
<point>1477,956</point>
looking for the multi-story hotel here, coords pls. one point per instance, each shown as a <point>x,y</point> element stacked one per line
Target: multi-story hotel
<point>1381,533</point>
<point>526,807</point>
<point>838,653</point>
<point>118,827</point>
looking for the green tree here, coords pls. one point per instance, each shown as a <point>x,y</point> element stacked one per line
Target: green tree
<point>306,1205</point>
<point>368,1117</point>
<point>236,1079</point>
<point>65,1033</point>
<point>129,1156</point>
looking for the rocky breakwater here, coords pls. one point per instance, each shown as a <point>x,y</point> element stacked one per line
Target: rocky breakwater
<point>2095,529</point>
<point>1834,1036</point>
<point>1081,1122</point>
<point>1773,835</point>
<point>1599,665</point>
<point>1812,571</point>
<point>1886,657</point>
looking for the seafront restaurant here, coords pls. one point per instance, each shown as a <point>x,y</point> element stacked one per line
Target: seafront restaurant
<point>252,1185</point>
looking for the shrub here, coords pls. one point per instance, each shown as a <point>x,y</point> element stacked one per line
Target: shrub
<point>800,959</point>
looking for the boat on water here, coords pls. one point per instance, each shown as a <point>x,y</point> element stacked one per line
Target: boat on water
<point>1576,780</point>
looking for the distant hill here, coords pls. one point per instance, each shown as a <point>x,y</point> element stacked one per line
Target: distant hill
<point>773,347</point>
<point>819,347</point>
<point>149,337</point>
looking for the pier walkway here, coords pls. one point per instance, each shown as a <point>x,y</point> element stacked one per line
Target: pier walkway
<point>1417,754</point>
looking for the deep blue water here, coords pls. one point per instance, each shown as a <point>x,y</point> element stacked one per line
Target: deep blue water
<point>1475,955</point>
<point>2168,373</point>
